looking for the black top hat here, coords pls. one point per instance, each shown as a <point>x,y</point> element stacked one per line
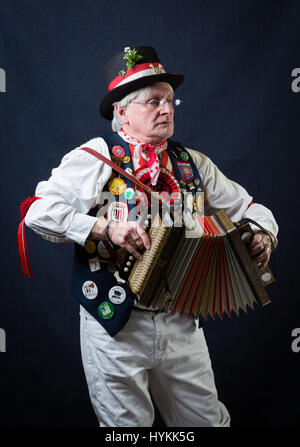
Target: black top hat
<point>131,70</point>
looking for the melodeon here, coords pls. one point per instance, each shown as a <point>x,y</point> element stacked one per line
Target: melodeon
<point>209,275</point>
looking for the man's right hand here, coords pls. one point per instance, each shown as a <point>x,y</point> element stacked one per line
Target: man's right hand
<point>128,235</point>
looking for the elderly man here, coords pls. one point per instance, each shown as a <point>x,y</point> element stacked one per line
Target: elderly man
<point>127,348</point>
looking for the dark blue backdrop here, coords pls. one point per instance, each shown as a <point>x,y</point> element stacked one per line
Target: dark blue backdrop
<point>239,108</point>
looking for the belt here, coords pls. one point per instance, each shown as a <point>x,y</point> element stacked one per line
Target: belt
<point>146,310</point>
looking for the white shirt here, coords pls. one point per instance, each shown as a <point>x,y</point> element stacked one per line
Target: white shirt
<point>75,187</point>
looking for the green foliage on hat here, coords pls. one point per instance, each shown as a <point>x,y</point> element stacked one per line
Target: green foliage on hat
<point>132,59</point>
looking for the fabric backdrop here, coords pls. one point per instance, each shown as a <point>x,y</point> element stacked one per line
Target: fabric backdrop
<point>241,108</point>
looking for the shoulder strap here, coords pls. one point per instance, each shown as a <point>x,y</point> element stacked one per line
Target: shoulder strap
<point>117,168</point>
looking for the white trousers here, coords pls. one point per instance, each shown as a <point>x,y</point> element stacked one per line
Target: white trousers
<point>162,352</point>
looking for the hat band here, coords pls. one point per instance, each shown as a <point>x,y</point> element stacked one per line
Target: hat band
<point>139,71</point>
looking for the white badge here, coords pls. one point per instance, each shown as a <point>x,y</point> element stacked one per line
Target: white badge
<point>90,290</point>
<point>117,295</point>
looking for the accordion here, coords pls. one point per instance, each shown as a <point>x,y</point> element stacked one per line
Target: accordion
<point>209,275</point>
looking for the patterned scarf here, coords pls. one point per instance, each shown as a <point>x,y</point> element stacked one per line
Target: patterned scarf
<point>145,155</point>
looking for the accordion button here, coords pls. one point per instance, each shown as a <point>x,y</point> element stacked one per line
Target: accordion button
<point>130,258</point>
<point>128,264</point>
<point>126,269</point>
<point>266,276</point>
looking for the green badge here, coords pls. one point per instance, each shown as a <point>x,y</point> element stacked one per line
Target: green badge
<point>106,310</point>
<point>184,156</point>
<point>129,193</point>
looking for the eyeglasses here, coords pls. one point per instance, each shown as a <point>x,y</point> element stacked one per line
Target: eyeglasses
<point>158,104</point>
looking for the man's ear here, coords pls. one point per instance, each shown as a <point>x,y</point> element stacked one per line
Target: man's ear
<point>122,114</point>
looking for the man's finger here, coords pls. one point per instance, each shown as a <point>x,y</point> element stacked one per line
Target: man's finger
<point>143,236</point>
<point>133,251</point>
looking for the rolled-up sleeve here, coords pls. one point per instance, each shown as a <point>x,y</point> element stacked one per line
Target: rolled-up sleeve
<point>72,190</point>
<point>223,193</point>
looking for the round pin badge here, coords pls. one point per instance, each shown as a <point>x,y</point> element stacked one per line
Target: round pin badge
<point>129,193</point>
<point>102,250</point>
<point>184,156</point>
<point>90,290</point>
<point>126,159</point>
<point>106,310</point>
<point>90,247</point>
<point>117,295</point>
<point>117,186</point>
<point>118,151</point>
<point>197,181</point>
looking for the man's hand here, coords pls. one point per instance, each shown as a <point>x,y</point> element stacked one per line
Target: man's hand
<point>260,248</point>
<point>128,235</point>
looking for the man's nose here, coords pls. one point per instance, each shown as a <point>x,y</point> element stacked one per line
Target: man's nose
<point>167,107</point>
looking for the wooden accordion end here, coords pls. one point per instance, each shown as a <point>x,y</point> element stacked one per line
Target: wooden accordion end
<point>208,275</point>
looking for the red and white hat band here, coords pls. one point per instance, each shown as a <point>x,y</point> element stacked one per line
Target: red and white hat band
<point>139,71</point>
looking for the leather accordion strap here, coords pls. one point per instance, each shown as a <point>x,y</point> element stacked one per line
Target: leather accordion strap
<point>247,219</point>
<point>117,168</point>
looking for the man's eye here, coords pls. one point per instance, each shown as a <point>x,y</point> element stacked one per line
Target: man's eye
<point>154,103</point>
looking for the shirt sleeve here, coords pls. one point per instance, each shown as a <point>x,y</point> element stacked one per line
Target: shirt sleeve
<point>223,193</point>
<point>72,190</point>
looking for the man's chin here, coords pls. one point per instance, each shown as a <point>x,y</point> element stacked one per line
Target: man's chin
<point>165,130</point>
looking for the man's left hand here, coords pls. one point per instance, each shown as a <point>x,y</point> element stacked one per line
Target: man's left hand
<point>260,248</point>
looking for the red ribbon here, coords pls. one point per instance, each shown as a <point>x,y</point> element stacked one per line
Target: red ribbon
<point>24,257</point>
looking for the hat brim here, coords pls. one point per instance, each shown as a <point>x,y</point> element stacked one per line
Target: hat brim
<point>115,95</point>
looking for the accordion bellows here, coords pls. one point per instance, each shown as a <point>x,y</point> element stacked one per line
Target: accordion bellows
<point>208,275</point>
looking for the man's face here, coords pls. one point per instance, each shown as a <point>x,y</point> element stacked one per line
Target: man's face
<point>147,123</point>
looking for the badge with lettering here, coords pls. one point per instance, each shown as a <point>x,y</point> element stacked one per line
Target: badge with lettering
<point>118,212</point>
<point>90,290</point>
<point>185,170</point>
<point>117,295</point>
<point>117,186</point>
<point>118,151</point>
<point>126,159</point>
<point>106,310</point>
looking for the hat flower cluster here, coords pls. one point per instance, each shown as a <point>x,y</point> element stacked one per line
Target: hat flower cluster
<point>132,59</point>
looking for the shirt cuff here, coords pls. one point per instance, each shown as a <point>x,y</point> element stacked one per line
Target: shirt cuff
<point>80,228</point>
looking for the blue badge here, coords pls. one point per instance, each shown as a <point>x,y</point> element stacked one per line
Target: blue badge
<point>185,170</point>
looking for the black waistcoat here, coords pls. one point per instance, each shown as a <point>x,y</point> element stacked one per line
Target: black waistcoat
<point>99,292</point>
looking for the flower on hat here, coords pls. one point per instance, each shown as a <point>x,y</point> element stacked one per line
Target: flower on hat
<point>157,69</point>
<point>132,59</point>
